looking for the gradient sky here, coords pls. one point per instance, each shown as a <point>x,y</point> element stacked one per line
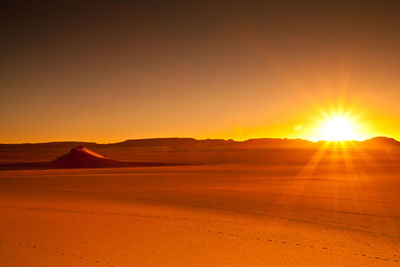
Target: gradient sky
<point>107,71</point>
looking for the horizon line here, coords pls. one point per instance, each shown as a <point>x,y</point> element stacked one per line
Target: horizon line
<point>198,139</point>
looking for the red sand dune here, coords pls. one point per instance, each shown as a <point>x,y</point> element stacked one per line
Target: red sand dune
<point>81,157</point>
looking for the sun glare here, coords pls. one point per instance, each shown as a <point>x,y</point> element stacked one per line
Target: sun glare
<point>339,127</point>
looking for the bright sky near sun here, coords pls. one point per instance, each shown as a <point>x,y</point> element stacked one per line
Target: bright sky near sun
<point>112,71</point>
<point>339,127</point>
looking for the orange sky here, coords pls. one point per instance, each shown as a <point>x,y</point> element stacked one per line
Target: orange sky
<point>107,72</point>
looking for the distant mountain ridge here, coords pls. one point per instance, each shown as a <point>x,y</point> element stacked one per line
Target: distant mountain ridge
<point>382,141</point>
<point>178,141</point>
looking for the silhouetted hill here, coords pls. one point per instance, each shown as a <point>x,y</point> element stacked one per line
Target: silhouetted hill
<point>382,142</point>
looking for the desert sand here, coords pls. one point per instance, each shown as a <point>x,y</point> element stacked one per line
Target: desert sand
<point>329,214</point>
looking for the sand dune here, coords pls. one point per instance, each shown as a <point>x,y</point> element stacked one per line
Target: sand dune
<point>81,157</point>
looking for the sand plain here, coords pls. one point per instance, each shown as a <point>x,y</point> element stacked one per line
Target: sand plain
<point>207,215</point>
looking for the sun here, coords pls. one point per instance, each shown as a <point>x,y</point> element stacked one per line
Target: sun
<point>339,127</point>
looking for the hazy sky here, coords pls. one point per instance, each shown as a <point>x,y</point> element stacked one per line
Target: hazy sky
<point>112,70</point>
